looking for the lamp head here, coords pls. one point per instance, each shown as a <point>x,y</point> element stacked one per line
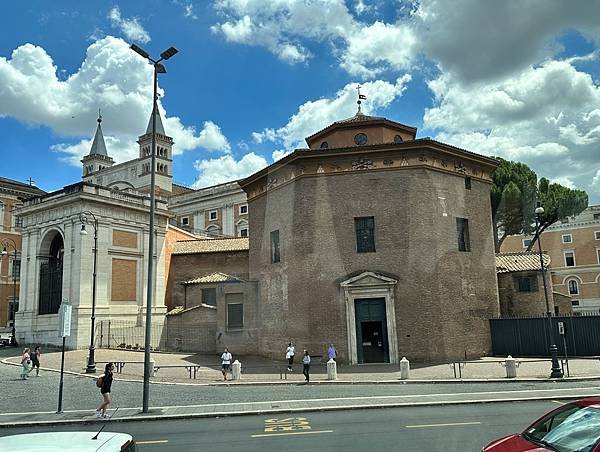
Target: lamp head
<point>168,53</point>
<point>83,231</point>
<point>139,51</point>
<point>160,69</point>
<point>539,210</point>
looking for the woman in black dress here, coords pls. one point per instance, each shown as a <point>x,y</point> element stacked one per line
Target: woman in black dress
<point>105,383</point>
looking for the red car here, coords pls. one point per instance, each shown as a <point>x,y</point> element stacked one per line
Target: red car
<point>573,427</point>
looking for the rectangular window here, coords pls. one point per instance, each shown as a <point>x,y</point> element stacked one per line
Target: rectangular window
<point>235,316</point>
<point>597,235</point>
<point>462,233</point>
<point>569,259</point>
<point>244,232</point>
<point>574,302</point>
<point>213,215</point>
<point>13,306</point>
<point>598,254</point>
<point>597,216</point>
<point>365,234</point>
<point>275,251</point>
<point>185,221</point>
<point>526,283</point>
<point>567,238</point>
<point>209,296</point>
<point>243,209</point>
<point>526,243</point>
<point>467,183</point>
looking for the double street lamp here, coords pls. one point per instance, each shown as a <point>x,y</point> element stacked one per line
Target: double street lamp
<point>158,69</point>
<point>556,370</point>
<point>84,217</point>
<point>10,242</point>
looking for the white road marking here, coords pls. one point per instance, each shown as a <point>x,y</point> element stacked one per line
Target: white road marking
<point>559,402</point>
<point>442,425</point>
<point>312,432</point>
<point>155,441</point>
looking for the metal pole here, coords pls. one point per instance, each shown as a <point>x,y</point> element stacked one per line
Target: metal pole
<point>150,288</point>
<point>556,370</point>
<point>91,365</point>
<point>62,369</point>
<point>13,335</point>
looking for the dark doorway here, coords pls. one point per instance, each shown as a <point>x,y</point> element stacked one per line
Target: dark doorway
<point>371,330</point>
<point>372,341</point>
<point>51,269</point>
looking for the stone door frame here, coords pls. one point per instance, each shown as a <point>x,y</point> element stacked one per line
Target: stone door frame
<point>370,285</point>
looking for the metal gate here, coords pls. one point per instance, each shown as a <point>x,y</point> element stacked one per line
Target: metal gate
<point>528,336</point>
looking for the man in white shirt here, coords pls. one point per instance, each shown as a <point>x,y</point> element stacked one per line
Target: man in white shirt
<point>225,363</point>
<point>289,355</point>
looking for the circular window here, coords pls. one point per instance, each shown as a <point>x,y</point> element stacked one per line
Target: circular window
<point>360,138</point>
<point>398,139</point>
<point>324,145</point>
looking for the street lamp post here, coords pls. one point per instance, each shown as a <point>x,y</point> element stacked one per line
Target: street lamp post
<point>158,69</point>
<point>556,370</point>
<point>5,243</point>
<point>84,218</point>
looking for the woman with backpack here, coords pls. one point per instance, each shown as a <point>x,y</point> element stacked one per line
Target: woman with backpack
<point>104,382</point>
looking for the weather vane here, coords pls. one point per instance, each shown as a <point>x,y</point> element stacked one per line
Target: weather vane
<point>99,116</point>
<point>361,97</point>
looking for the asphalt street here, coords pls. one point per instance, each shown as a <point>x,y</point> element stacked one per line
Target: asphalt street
<point>460,428</point>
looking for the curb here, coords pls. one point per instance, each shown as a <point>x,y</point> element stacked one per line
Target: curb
<point>154,417</point>
<point>336,382</point>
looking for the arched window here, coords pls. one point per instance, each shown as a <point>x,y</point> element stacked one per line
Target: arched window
<point>573,287</point>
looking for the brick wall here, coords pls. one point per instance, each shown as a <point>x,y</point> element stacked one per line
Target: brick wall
<point>443,297</point>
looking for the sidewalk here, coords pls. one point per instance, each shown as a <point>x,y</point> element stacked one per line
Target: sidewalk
<point>291,406</point>
<point>258,370</point>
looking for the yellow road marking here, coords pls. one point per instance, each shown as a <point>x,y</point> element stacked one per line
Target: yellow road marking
<point>156,441</point>
<point>312,432</point>
<point>442,425</point>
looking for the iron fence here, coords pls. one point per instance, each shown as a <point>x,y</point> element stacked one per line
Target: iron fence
<point>528,336</point>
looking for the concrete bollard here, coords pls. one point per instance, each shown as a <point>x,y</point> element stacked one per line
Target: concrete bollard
<point>511,367</point>
<point>404,369</point>
<point>236,372</point>
<point>151,368</point>
<point>331,370</point>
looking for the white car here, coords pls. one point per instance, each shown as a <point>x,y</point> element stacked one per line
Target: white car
<point>68,441</point>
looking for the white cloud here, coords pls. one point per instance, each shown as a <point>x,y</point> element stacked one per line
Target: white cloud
<point>226,168</point>
<point>314,115</point>
<point>284,27</point>
<point>131,28</point>
<point>189,11</point>
<point>546,116</point>
<point>31,92</point>
<point>279,154</point>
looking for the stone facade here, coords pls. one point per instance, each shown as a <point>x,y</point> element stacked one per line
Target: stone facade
<point>579,238</point>
<point>52,240</point>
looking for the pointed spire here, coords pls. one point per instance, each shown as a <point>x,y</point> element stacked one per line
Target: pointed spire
<point>159,125</point>
<point>98,146</point>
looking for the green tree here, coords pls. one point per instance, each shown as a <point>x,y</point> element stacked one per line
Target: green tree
<point>558,202</point>
<point>513,199</point>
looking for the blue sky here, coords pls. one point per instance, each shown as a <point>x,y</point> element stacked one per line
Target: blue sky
<point>254,77</point>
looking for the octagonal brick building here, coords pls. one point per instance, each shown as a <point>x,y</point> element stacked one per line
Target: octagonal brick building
<point>377,242</point>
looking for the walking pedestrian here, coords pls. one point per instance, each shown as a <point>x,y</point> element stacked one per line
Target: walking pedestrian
<point>104,382</point>
<point>25,363</point>
<point>35,361</point>
<point>331,352</point>
<point>225,363</point>
<point>289,355</point>
<point>306,367</point>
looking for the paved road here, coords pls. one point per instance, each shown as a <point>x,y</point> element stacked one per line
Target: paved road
<point>461,428</point>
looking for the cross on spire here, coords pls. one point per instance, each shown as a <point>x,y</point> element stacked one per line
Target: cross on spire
<point>99,116</point>
<point>361,97</point>
<point>30,180</point>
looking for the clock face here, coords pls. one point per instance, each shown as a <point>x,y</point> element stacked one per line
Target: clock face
<point>360,139</point>
<point>398,139</point>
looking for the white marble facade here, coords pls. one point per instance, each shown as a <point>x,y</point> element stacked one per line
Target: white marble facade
<point>57,214</point>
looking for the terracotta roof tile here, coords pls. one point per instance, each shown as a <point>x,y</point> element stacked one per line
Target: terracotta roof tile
<point>520,261</point>
<point>211,246</point>
<point>216,277</point>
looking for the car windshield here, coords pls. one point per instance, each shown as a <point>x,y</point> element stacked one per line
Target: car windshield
<point>571,429</point>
